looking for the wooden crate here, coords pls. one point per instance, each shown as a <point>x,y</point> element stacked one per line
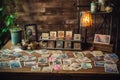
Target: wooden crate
<point>104,47</point>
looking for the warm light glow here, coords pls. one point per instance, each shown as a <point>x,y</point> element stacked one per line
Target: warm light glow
<point>86,19</point>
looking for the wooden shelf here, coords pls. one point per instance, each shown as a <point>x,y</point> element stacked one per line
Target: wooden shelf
<point>72,42</point>
<point>100,13</point>
<point>64,49</point>
<point>59,40</point>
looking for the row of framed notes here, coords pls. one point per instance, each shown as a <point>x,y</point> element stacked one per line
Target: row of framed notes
<point>62,44</point>
<point>31,34</point>
<point>67,35</point>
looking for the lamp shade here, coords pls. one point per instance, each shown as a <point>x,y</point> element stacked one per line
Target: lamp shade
<point>86,19</point>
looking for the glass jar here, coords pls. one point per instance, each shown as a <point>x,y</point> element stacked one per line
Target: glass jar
<point>93,7</point>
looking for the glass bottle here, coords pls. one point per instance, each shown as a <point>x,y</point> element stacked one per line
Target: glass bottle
<point>93,7</point>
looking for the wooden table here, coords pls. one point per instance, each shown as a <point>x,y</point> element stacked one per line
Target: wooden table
<point>24,73</point>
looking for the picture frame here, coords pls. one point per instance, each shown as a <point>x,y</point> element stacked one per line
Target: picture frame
<point>51,44</point>
<point>61,35</point>
<point>45,36</point>
<point>102,39</point>
<point>53,35</point>
<point>31,32</point>
<point>59,44</point>
<point>77,45</point>
<point>67,44</point>
<point>77,37</point>
<point>68,35</point>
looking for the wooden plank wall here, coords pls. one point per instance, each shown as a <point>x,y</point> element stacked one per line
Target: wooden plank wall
<point>50,14</point>
<point>58,15</point>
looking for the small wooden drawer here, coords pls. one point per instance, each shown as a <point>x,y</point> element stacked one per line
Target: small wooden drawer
<point>104,47</point>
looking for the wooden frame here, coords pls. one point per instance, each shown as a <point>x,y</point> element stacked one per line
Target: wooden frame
<point>102,39</point>
<point>77,37</point>
<point>51,44</point>
<point>77,45</point>
<point>45,36</point>
<point>59,44</point>
<point>53,35</point>
<point>68,44</point>
<point>31,32</point>
<point>60,34</point>
<point>68,35</point>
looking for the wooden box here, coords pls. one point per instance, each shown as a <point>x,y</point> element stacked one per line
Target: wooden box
<point>104,47</point>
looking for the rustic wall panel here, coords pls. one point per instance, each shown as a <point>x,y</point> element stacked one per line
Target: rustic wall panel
<point>60,15</point>
<point>50,14</point>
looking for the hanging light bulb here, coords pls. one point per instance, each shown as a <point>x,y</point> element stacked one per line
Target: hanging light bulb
<point>86,19</point>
